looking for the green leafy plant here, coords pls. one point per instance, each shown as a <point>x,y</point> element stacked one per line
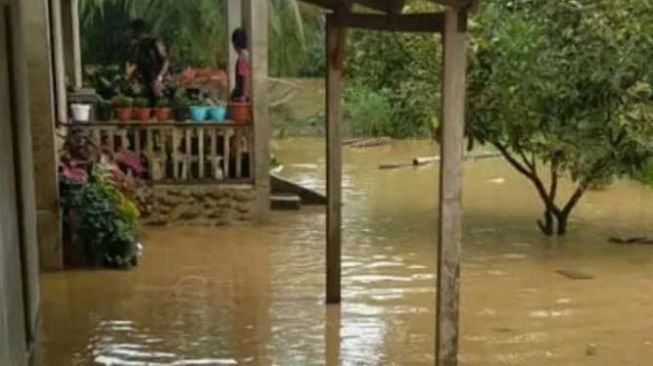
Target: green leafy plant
<point>122,101</point>
<point>367,113</point>
<point>97,201</point>
<point>162,103</point>
<point>405,70</point>
<point>562,90</point>
<point>141,103</point>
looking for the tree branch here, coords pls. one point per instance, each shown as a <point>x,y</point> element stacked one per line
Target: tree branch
<point>514,162</point>
<point>584,185</point>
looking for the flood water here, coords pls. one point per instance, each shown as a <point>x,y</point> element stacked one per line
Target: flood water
<point>254,295</point>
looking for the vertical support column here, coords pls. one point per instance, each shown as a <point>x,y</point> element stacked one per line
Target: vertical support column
<point>258,31</point>
<point>335,43</point>
<point>37,46</point>
<point>77,44</point>
<point>234,21</point>
<point>25,173</point>
<point>58,49</point>
<point>13,333</point>
<point>451,171</point>
<point>71,41</point>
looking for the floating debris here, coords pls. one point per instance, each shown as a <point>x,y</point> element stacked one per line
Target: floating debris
<point>575,275</point>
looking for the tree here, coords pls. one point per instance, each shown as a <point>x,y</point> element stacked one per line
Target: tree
<point>564,86</point>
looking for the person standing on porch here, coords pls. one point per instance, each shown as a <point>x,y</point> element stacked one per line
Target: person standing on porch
<point>149,62</point>
<point>241,92</point>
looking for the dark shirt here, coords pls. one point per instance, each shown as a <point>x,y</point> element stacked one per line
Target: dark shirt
<point>148,58</point>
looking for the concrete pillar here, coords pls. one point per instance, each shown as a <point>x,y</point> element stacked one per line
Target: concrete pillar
<point>71,42</point>
<point>258,32</point>
<point>234,21</point>
<point>59,59</point>
<point>36,30</point>
<point>18,268</point>
<point>451,172</point>
<point>26,191</point>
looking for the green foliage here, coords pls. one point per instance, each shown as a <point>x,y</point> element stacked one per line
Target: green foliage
<point>162,102</point>
<point>141,103</point>
<point>105,221</point>
<point>405,70</point>
<point>367,113</point>
<point>122,101</point>
<point>195,31</point>
<point>565,83</point>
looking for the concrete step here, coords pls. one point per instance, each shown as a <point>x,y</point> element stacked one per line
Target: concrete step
<point>285,202</point>
<point>282,186</point>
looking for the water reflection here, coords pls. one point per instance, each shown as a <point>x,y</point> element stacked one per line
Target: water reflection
<point>254,296</point>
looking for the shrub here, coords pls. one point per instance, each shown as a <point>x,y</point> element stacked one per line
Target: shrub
<point>367,113</point>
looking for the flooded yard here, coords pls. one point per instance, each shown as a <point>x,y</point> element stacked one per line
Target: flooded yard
<point>254,295</point>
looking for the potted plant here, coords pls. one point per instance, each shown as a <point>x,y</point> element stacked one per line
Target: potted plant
<point>218,112</point>
<point>104,111</point>
<point>198,111</point>
<point>81,112</point>
<point>163,112</point>
<point>142,110</point>
<point>240,111</point>
<point>122,107</point>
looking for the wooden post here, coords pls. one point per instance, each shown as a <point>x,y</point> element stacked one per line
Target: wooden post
<point>258,32</point>
<point>335,39</point>
<point>200,153</point>
<point>234,21</point>
<point>451,171</point>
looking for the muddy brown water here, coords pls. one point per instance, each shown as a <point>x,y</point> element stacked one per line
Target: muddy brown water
<point>254,295</point>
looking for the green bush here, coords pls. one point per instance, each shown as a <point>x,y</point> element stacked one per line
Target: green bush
<point>366,112</point>
<point>405,69</point>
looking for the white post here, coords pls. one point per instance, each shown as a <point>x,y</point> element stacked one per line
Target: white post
<point>451,172</point>
<point>234,21</point>
<point>59,61</point>
<point>77,46</point>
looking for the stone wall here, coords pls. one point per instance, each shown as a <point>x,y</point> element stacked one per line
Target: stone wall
<point>198,205</point>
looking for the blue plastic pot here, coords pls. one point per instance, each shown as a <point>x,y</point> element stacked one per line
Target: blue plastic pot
<point>218,113</point>
<point>198,113</point>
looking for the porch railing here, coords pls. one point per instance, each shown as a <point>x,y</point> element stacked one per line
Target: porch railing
<point>182,152</point>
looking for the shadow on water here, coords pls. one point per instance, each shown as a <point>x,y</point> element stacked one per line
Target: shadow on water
<point>254,296</point>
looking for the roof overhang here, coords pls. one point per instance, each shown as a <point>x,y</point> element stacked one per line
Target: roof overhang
<point>388,6</point>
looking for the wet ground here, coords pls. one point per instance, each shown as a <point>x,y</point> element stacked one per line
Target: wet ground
<point>254,296</point>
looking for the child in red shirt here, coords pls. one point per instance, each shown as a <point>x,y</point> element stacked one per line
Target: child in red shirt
<point>240,42</point>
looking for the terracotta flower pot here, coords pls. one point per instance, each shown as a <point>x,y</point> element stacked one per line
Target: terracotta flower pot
<point>123,114</point>
<point>143,114</point>
<point>163,114</point>
<point>240,112</point>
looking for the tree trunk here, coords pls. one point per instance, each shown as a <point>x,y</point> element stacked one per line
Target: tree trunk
<point>563,220</point>
<point>547,225</point>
